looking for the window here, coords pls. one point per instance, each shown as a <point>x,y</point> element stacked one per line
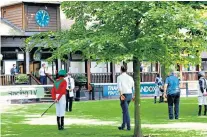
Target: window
<point>77,67</point>
<point>20,56</point>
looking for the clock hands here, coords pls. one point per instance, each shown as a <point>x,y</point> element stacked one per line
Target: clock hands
<point>43,16</point>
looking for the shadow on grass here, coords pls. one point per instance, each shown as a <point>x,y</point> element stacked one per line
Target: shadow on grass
<point>143,136</point>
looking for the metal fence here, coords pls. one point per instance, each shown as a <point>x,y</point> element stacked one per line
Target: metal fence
<point>23,93</point>
<point>187,88</point>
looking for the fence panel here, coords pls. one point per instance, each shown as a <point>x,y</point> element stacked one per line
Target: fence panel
<point>7,80</point>
<point>189,75</point>
<point>101,78</point>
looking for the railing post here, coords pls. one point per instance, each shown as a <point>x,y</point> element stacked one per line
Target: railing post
<point>30,80</point>
<point>187,92</point>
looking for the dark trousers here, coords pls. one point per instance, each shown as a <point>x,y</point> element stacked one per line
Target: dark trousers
<point>125,110</point>
<point>43,80</point>
<point>173,99</point>
<point>69,100</point>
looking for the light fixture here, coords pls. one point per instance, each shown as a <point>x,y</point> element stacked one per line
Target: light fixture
<point>16,50</point>
<point>1,57</point>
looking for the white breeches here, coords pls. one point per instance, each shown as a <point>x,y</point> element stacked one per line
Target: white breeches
<point>60,106</point>
<point>157,92</point>
<point>202,100</point>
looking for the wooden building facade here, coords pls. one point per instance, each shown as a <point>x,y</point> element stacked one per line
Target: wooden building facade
<point>23,15</point>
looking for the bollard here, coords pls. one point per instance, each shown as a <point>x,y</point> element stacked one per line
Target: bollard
<point>93,97</point>
<point>90,95</point>
<point>100,92</point>
<point>186,89</point>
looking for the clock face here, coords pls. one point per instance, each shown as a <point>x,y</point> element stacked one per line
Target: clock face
<point>42,18</point>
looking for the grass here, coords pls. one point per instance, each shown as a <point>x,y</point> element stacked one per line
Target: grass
<point>108,110</point>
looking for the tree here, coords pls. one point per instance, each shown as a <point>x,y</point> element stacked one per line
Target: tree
<point>123,31</point>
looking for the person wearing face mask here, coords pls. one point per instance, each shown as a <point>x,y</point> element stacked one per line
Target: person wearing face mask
<point>202,99</point>
<point>14,70</point>
<point>69,92</point>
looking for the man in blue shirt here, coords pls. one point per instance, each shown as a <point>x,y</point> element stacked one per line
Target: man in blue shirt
<point>14,70</point>
<point>172,93</point>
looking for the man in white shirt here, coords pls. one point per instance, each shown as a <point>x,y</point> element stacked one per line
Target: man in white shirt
<point>42,74</point>
<point>125,85</point>
<point>69,91</point>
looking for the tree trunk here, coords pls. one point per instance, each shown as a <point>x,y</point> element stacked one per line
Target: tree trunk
<point>163,72</point>
<point>137,119</point>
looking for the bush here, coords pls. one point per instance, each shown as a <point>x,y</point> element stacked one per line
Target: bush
<point>21,78</point>
<point>80,78</point>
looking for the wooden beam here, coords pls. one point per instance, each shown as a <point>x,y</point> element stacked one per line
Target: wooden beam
<point>34,78</point>
<point>157,67</point>
<point>197,68</point>
<point>88,73</point>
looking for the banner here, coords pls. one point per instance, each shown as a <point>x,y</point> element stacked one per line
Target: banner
<point>26,92</point>
<point>147,89</point>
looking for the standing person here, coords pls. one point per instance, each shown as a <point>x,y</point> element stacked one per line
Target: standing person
<point>125,85</point>
<point>159,83</point>
<point>202,99</point>
<point>58,95</point>
<point>172,93</point>
<point>69,91</point>
<point>42,74</point>
<point>14,70</point>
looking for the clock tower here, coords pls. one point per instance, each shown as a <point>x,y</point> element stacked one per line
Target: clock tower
<point>24,19</point>
<point>33,17</point>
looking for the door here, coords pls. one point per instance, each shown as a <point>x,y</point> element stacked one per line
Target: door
<point>21,66</point>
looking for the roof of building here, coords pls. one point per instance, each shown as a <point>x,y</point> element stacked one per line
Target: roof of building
<point>8,29</point>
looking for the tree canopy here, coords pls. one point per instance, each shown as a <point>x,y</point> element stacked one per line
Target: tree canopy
<point>165,32</point>
<point>120,30</point>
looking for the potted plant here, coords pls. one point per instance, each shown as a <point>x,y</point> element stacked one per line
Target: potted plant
<point>80,81</point>
<point>21,79</point>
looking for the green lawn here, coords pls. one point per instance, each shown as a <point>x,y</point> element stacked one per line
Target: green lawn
<point>13,126</point>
